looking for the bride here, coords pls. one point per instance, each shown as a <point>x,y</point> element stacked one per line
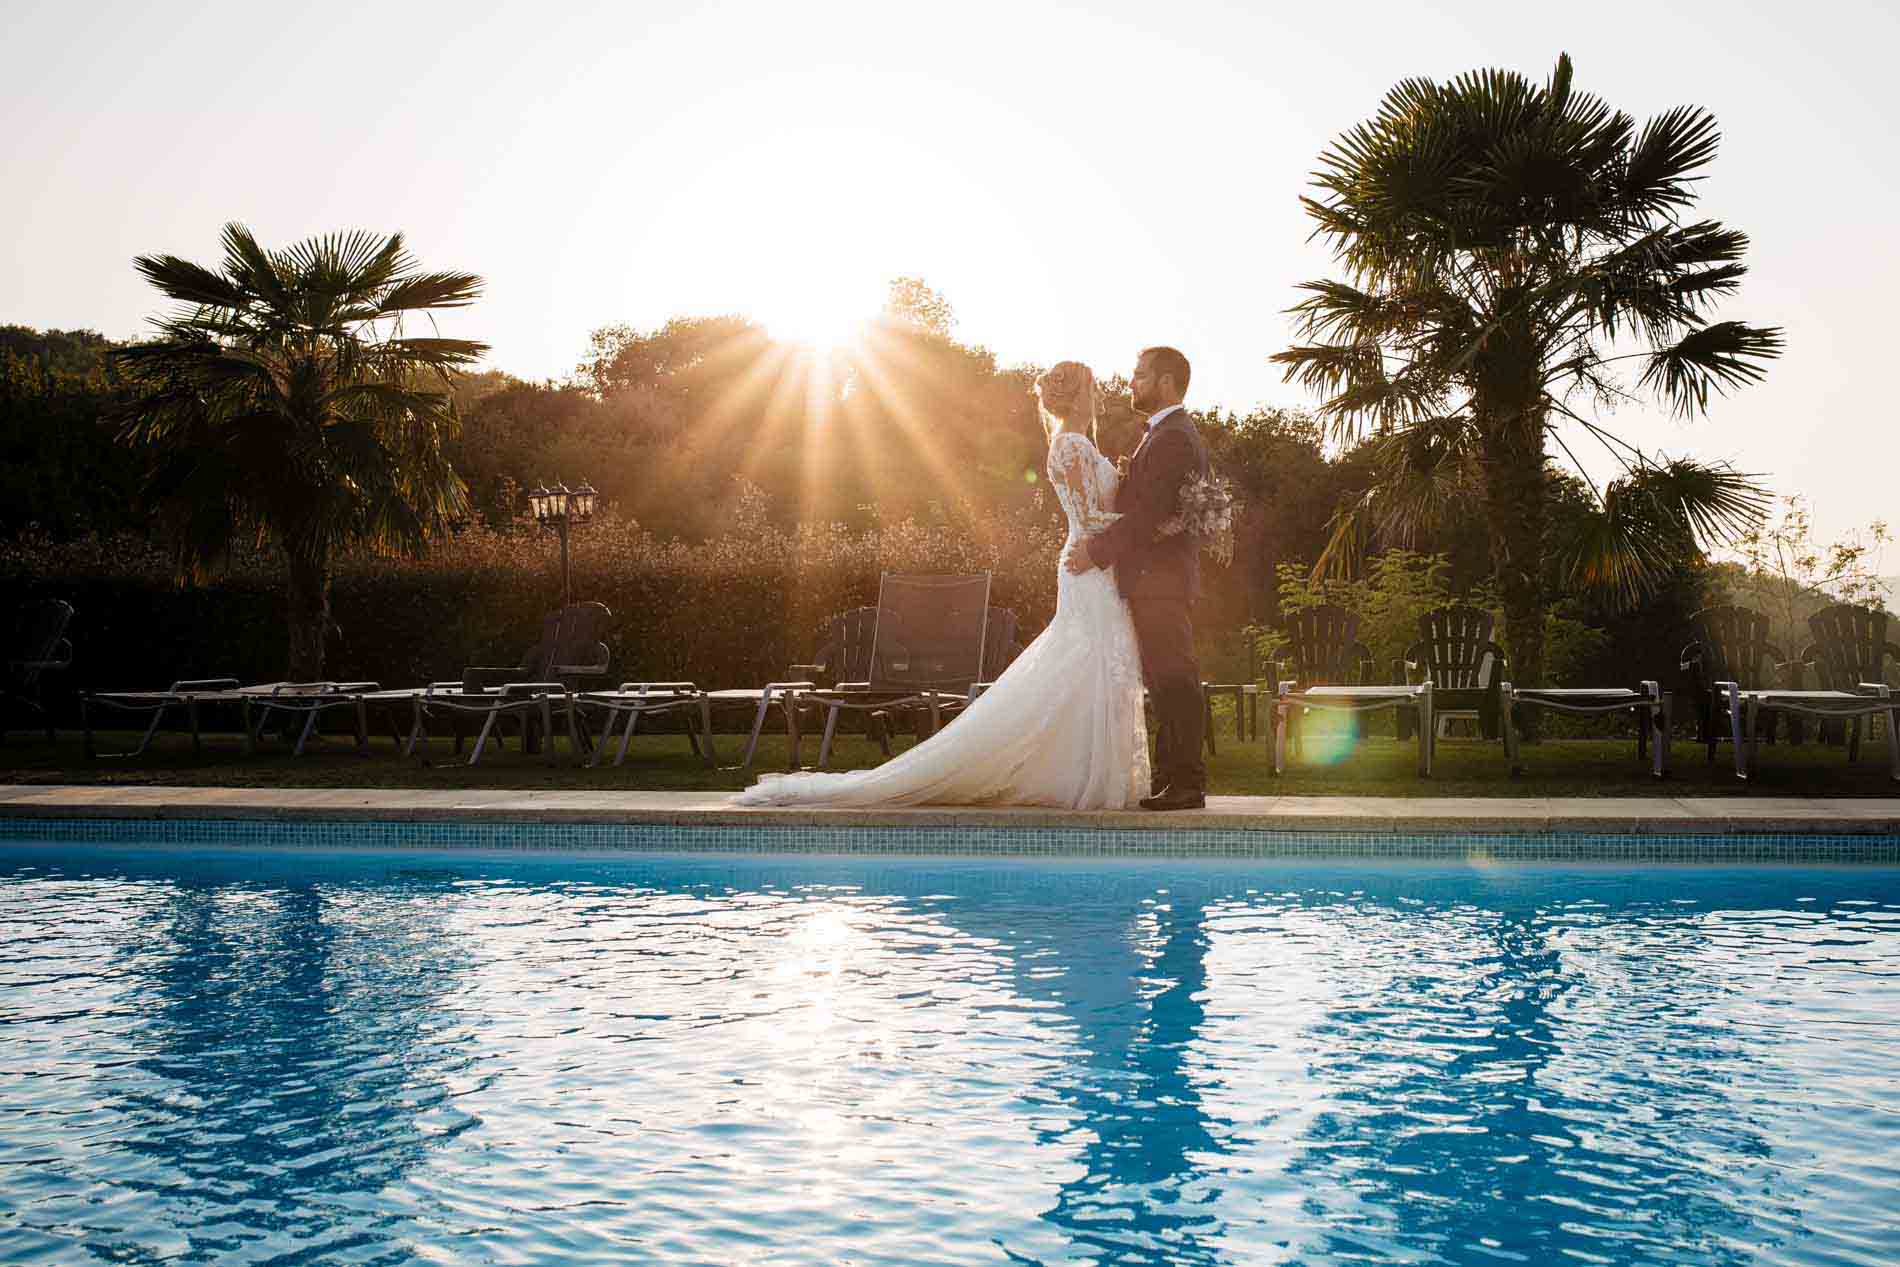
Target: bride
<point>1063,725</point>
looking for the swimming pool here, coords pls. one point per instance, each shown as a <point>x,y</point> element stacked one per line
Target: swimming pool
<point>245,1055</point>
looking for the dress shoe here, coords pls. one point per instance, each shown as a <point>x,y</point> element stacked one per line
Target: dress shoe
<point>1170,798</point>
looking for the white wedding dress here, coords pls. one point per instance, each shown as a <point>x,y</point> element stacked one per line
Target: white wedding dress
<point>1063,725</point>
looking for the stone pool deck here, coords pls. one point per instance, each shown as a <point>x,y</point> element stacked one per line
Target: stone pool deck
<point>1527,815</point>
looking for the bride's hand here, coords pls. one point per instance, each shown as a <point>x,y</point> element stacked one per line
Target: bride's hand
<point>1079,560</point>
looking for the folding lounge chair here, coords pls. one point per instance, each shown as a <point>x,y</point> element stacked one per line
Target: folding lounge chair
<point>530,692</point>
<point>1648,702</point>
<point>189,694</point>
<point>635,700</point>
<point>1354,700</point>
<point>1745,709</point>
<point>1323,650</point>
<point>527,702</point>
<point>258,702</point>
<point>312,700</point>
<point>39,647</point>
<point>927,652</point>
<point>843,655</point>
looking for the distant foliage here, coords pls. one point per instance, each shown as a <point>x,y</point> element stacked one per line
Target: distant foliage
<point>1788,575</point>
<point>1396,587</point>
<point>732,610</point>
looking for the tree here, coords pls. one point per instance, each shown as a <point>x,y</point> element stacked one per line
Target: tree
<point>1790,576</point>
<point>911,301</point>
<point>1508,250</point>
<point>283,399</point>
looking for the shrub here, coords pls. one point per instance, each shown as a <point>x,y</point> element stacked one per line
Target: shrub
<point>732,610</point>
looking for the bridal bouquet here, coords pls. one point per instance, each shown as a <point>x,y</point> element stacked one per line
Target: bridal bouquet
<point>1206,511</point>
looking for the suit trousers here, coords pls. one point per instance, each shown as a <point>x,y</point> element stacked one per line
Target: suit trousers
<point>1164,630</point>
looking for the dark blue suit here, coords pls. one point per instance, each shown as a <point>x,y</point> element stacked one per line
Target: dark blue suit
<point>1160,576</point>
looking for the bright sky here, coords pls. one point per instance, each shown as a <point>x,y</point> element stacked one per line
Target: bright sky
<point>1078,181</point>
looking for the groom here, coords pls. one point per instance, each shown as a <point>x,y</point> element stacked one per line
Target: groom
<point>1160,576</point>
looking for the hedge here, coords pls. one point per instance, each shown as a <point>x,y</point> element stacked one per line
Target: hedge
<point>734,610</point>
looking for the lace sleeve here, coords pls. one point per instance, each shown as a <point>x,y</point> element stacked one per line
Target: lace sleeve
<point>1074,468</point>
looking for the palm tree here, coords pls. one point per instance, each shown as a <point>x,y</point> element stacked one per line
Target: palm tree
<point>284,401</point>
<point>1509,249</point>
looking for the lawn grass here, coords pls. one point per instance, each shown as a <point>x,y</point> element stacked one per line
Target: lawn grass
<point>1376,767</point>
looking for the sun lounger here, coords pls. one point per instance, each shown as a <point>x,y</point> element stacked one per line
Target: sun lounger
<point>312,700</point>
<point>1647,702</point>
<point>783,696</point>
<point>635,700</point>
<point>524,700</point>
<point>258,702</point>
<point>1745,710</point>
<point>1354,700</point>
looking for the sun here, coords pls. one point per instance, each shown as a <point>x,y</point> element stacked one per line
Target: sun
<point>815,308</point>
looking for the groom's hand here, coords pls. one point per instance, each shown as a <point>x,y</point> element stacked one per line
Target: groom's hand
<point>1079,560</point>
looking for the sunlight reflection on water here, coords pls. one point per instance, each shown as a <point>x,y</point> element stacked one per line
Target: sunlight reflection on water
<point>369,1058</point>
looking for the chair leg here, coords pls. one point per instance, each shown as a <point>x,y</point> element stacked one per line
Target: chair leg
<point>1735,725</point>
<point>705,727</point>
<point>85,725</point>
<point>303,736</point>
<point>1427,735</point>
<point>792,734</point>
<point>1893,744</point>
<point>758,724</point>
<point>626,733</point>
<point>1277,723</point>
<point>481,740</point>
<point>831,726</point>
<point>1654,719</point>
<point>1853,742</point>
<point>1508,720</point>
<point>415,730</point>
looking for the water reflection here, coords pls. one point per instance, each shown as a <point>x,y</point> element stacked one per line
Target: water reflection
<point>809,1060</point>
<point>283,1048</point>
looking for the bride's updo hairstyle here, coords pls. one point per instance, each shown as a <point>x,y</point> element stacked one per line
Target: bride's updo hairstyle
<point>1066,395</point>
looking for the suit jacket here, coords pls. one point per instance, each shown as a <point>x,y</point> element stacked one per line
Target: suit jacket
<point>1147,564</point>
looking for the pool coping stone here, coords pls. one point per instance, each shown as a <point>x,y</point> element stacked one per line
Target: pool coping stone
<point>1641,816</point>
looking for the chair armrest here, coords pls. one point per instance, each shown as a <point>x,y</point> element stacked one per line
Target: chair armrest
<point>206,684</point>
<point>481,676</point>
<point>852,686</point>
<point>1502,669</point>
<point>593,668</point>
<point>1691,655</point>
<point>806,670</point>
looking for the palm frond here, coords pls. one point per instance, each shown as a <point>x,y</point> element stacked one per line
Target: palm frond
<point>437,353</point>
<point>1671,147</point>
<point>1661,516</point>
<point>1708,360</point>
<point>429,290</point>
<point>190,283</point>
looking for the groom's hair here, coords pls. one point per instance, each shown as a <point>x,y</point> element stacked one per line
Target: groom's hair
<point>1166,360</point>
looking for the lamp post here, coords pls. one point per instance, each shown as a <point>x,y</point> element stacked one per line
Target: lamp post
<point>560,508</point>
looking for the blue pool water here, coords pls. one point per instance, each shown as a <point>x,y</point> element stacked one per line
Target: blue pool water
<point>282,1057</point>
